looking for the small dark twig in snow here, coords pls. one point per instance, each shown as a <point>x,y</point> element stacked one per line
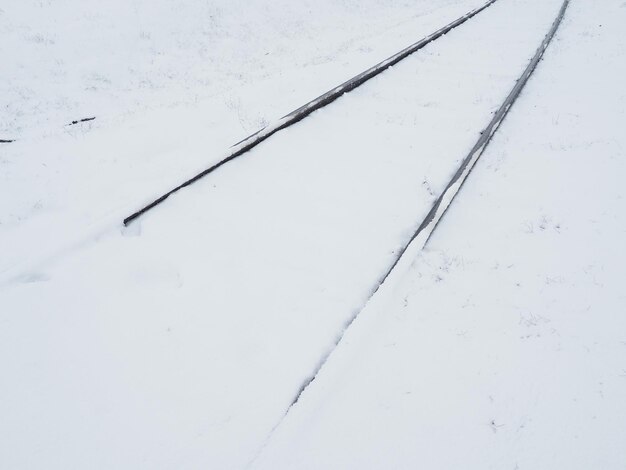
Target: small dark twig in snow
<point>81,120</point>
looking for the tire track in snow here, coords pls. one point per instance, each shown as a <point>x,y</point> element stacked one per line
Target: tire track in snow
<point>424,231</point>
<point>303,111</point>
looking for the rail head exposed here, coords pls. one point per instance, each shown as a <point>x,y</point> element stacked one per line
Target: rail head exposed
<point>303,111</point>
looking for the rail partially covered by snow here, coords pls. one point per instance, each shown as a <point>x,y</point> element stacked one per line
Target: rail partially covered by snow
<point>179,341</point>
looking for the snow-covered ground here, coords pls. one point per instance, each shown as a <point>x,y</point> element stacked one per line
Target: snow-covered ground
<point>68,59</point>
<point>172,84</point>
<point>181,340</point>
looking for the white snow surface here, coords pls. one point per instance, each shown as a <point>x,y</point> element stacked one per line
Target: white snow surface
<point>504,346</point>
<point>67,59</point>
<point>181,340</point>
<point>172,84</point>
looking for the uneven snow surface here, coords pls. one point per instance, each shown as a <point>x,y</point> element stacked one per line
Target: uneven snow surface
<point>180,341</point>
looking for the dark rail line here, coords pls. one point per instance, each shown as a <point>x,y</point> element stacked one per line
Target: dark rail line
<point>303,111</point>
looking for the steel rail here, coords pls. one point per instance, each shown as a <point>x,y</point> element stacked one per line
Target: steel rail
<point>303,111</point>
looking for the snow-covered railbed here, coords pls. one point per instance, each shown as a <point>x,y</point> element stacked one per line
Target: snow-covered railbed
<point>181,340</point>
<point>174,83</point>
<point>306,109</point>
<point>505,344</point>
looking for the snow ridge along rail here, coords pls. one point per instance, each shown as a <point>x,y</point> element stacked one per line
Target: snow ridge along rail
<point>303,111</point>
<point>421,236</point>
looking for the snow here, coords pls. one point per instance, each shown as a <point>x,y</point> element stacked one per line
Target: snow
<point>93,58</point>
<point>181,340</point>
<point>64,181</point>
<point>503,346</point>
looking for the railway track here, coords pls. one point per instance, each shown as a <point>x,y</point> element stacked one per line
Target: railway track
<point>270,265</point>
<point>247,144</point>
<point>426,227</point>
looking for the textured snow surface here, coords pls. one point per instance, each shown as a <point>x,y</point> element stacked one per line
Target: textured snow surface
<point>183,80</point>
<point>181,340</point>
<point>66,59</point>
<point>504,346</point>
